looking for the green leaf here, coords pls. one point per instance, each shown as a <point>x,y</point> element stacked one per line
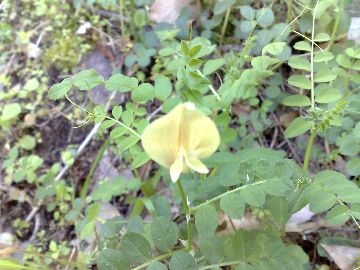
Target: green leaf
<point>327,94</point>
<point>206,220</point>
<point>297,100</point>
<point>324,75</point>
<point>274,48</point>
<point>338,215</point>
<point>121,83</point>
<point>27,142</point>
<point>302,46</point>
<point>164,233</point>
<point>299,63</point>
<point>116,112</point>
<point>299,81</point>
<point>127,142</point>
<point>59,90</point>
<point>263,62</point>
<point>156,266</point>
<point>92,211</point>
<point>107,124</point>
<point>265,17</point>
<point>253,195</point>
<point>353,166</point>
<point>344,61</point>
<point>144,92</point>
<point>184,48</point>
<point>211,247</point>
<point>163,87</point>
<point>117,132</point>
<point>322,37</point>
<point>279,209</point>
<point>140,160</point>
<point>321,200</point>
<point>297,127</point>
<point>233,205</point>
<point>353,53</point>
<point>107,189</point>
<point>221,6</point>
<point>194,50</point>
<point>323,56</point>
<point>212,65</point>
<point>136,248</point>
<point>182,261</point>
<point>10,111</point>
<point>87,79</point>
<point>248,12</point>
<point>112,259</point>
<point>140,17</point>
<point>245,266</point>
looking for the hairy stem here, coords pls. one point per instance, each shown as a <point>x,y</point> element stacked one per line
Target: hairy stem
<point>193,209</point>
<point>188,214</point>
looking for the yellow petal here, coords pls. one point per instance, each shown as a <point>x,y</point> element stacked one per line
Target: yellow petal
<point>184,133</point>
<point>196,165</point>
<point>198,135</point>
<point>176,169</point>
<point>161,138</point>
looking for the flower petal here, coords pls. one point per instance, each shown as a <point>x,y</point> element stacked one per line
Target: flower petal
<point>198,133</point>
<point>176,168</point>
<point>196,165</point>
<point>161,138</point>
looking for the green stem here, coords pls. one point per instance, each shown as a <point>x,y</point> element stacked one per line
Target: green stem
<point>309,148</point>
<point>95,164</point>
<point>336,25</point>
<point>125,126</point>
<point>159,258</point>
<point>215,266</point>
<point>193,209</point>
<point>132,23</point>
<point>289,11</point>
<point>312,59</point>
<point>188,215</point>
<point>122,24</point>
<point>226,20</point>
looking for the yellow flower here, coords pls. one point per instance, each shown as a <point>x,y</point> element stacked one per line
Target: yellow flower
<point>180,139</point>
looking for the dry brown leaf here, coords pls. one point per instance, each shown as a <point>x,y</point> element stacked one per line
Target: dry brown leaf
<point>167,10</point>
<point>345,257</point>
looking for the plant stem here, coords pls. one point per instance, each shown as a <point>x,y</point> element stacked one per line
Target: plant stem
<point>95,164</point>
<point>159,258</point>
<point>289,11</point>
<point>309,148</point>
<point>215,266</point>
<point>336,25</point>
<point>132,22</point>
<point>188,215</point>
<point>193,209</point>
<point>312,58</point>
<point>226,20</point>
<point>125,126</point>
<point>122,24</point>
